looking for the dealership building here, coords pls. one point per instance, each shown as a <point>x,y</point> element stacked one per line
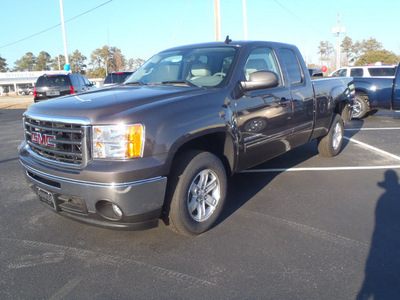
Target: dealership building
<point>19,82</point>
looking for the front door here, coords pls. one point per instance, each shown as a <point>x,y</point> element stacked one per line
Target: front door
<point>263,116</point>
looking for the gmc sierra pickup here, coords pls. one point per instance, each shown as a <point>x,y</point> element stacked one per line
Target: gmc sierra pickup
<point>373,93</point>
<point>163,144</point>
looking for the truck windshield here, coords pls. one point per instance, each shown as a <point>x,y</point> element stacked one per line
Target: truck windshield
<point>202,67</point>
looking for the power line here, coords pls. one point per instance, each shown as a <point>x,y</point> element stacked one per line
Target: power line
<point>297,17</point>
<point>59,24</point>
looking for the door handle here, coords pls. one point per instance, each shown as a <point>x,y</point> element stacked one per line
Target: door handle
<point>284,100</point>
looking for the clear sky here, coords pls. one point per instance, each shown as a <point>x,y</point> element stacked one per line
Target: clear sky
<point>142,28</point>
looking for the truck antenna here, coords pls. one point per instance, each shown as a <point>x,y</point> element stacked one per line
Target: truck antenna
<point>227,40</point>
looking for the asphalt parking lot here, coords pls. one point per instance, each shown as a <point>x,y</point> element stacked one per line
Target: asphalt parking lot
<point>298,227</point>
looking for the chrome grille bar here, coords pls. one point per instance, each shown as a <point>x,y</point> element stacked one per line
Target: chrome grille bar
<point>56,140</point>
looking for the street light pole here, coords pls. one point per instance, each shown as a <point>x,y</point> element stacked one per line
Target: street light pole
<point>245,19</point>
<point>217,19</point>
<point>336,30</point>
<point>64,35</point>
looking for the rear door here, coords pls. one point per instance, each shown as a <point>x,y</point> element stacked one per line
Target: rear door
<point>396,90</point>
<point>302,95</point>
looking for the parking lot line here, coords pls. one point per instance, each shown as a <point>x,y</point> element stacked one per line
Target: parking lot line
<point>366,129</point>
<point>321,169</point>
<point>369,147</point>
<point>373,148</point>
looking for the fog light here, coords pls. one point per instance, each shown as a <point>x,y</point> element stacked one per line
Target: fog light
<point>117,210</point>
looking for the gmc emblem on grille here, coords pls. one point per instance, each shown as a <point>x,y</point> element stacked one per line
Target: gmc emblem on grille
<point>43,139</point>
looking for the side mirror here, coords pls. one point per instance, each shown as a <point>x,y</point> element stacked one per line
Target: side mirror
<point>260,80</point>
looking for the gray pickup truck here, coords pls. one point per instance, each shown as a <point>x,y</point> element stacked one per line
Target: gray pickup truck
<point>163,144</point>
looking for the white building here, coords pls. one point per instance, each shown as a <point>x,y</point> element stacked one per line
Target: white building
<point>17,82</point>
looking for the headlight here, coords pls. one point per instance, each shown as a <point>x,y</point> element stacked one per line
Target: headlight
<point>120,141</point>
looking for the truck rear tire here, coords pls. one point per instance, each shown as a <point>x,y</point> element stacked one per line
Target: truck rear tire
<point>360,107</point>
<point>331,144</point>
<point>196,193</point>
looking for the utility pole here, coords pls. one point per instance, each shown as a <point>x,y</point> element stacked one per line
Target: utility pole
<point>245,19</point>
<point>336,30</point>
<point>217,19</point>
<point>64,35</point>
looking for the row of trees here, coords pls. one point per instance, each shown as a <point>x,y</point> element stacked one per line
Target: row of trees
<point>357,53</point>
<point>102,61</point>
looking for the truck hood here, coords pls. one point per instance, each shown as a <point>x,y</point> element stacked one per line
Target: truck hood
<point>103,104</point>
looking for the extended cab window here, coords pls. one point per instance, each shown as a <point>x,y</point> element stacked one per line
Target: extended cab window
<point>358,72</point>
<point>261,59</point>
<point>292,65</point>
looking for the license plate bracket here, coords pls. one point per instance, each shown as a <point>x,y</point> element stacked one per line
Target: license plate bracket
<point>53,93</point>
<point>47,198</point>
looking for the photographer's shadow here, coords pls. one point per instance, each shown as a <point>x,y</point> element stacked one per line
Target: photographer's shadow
<point>382,270</point>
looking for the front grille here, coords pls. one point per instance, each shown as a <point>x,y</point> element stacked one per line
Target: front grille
<point>57,141</point>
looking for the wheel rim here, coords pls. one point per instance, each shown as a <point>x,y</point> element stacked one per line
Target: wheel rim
<point>356,108</point>
<point>203,195</point>
<point>337,136</point>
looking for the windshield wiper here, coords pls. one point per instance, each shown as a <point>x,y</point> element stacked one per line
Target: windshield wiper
<point>135,83</point>
<point>185,82</point>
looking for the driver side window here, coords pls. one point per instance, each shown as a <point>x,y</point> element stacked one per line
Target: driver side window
<point>261,59</point>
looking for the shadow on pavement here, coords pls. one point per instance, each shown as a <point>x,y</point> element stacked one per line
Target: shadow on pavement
<point>382,276</point>
<point>243,186</point>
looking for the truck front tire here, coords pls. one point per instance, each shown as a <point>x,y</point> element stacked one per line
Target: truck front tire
<point>331,144</point>
<point>196,193</point>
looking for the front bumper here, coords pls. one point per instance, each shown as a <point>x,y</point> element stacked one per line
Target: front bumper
<point>91,202</point>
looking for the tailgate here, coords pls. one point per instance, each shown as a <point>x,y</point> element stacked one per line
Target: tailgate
<point>396,90</point>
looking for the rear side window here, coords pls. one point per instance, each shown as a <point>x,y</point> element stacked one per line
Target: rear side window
<point>358,72</point>
<point>53,80</point>
<point>85,80</point>
<point>292,65</point>
<point>81,81</point>
<point>75,81</point>
<point>381,71</point>
<point>116,77</point>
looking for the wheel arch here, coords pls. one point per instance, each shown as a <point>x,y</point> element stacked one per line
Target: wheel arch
<point>219,143</point>
<point>343,109</point>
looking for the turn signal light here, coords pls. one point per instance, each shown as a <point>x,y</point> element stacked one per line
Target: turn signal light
<point>134,136</point>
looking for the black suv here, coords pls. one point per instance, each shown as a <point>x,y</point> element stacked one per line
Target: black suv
<point>117,77</point>
<point>55,85</point>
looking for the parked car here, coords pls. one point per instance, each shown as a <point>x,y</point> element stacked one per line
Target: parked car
<point>25,90</point>
<point>116,78</point>
<point>163,144</point>
<point>376,93</point>
<point>55,85</point>
<point>365,71</point>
